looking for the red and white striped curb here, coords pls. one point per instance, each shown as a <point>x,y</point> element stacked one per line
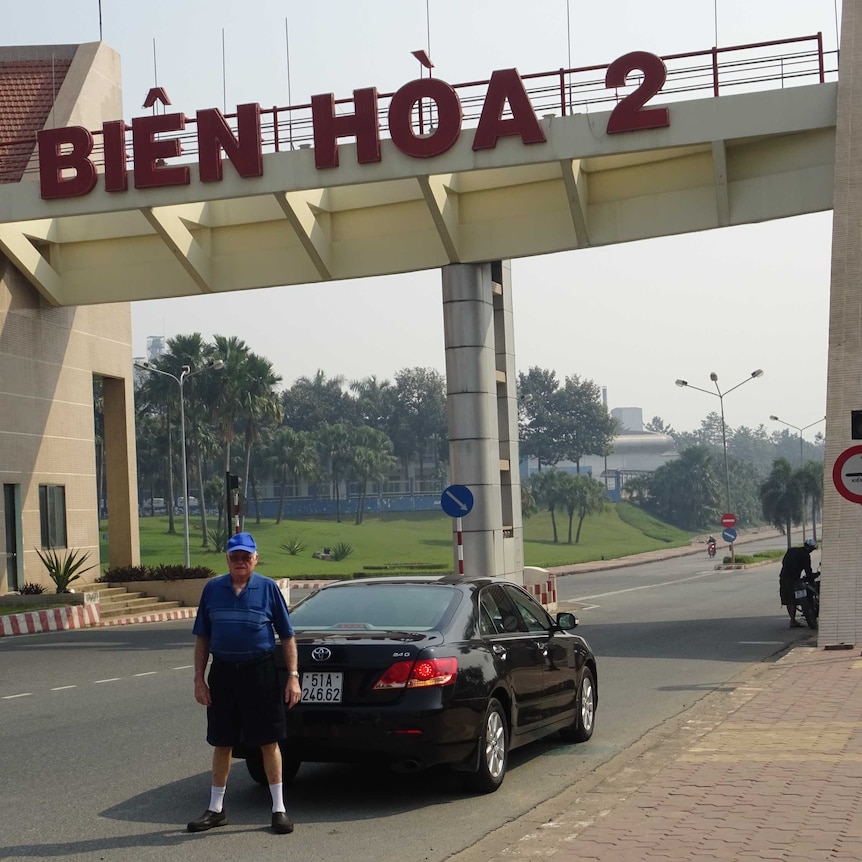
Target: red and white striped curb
<point>50,620</point>
<point>545,592</point>
<point>160,617</point>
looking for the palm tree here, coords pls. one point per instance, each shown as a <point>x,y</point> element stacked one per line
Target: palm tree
<point>371,460</point>
<point>294,457</point>
<point>547,489</point>
<point>227,406</point>
<point>781,496</point>
<point>333,444</point>
<point>260,403</point>
<point>584,496</point>
<point>811,478</point>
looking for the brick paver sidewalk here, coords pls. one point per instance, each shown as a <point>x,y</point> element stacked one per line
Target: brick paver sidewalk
<point>778,777</point>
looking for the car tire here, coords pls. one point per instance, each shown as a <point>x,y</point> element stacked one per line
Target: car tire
<point>254,765</point>
<point>581,728</point>
<point>493,751</point>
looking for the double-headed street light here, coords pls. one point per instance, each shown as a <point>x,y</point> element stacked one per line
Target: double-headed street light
<point>720,395</point>
<point>801,453</point>
<point>211,365</point>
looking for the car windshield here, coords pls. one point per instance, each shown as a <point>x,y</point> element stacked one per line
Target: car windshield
<point>381,607</point>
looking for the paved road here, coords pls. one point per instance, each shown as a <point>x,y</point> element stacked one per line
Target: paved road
<point>104,758</point>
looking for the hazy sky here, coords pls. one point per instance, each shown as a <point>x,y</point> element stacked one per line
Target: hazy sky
<point>632,317</point>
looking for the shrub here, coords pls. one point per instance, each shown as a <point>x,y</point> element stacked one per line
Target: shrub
<point>294,545</point>
<point>64,570</point>
<point>218,539</point>
<point>122,574</point>
<point>31,590</point>
<point>341,551</point>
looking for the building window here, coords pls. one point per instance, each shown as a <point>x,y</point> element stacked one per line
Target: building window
<point>52,515</point>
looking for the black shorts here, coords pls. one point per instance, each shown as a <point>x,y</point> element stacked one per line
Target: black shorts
<point>247,704</point>
<point>787,589</point>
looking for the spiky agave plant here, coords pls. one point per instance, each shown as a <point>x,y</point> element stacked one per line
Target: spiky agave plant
<point>64,570</point>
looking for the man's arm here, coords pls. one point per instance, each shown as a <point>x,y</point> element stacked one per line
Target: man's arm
<point>202,654</point>
<point>292,691</point>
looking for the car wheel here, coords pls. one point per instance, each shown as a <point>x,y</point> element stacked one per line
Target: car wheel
<point>581,728</point>
<point>493,751</point>
<point>254,765</point>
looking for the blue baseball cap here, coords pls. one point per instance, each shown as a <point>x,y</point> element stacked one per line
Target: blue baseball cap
<point>241,542</point>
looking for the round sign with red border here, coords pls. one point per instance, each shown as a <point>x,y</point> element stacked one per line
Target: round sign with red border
<point>728,520</point>
<point>847,474</point>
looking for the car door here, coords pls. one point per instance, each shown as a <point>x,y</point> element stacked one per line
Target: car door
<point>518,659</point>
<point>559,667</point>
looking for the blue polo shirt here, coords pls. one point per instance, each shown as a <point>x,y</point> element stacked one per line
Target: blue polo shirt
<point>242,627</point>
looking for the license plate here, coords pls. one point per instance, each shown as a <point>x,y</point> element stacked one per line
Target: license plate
<point>801,594</point>
<point>322,687</point>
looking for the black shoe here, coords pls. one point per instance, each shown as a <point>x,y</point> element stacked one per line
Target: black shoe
<point>281,823</point>
<point>208,820</point>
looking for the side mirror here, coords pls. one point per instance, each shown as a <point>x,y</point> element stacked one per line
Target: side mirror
<point>566,621</point>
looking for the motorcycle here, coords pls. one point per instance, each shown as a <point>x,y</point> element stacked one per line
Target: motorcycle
<point>710,549</point>
<point>807,593</point>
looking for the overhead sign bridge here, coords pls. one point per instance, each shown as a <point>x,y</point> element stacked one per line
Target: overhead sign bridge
<point>549,174</point>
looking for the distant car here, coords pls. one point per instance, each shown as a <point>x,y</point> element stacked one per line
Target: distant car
<point>154,506</point>
<point>416,672</point>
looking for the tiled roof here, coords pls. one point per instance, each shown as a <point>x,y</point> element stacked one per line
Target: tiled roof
<point>27,92</point>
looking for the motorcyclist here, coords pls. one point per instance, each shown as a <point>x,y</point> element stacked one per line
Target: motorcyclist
<point>793,564</point>
<point>710,546</point>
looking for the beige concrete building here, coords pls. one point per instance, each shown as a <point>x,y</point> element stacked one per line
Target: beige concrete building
<point>50,356</point>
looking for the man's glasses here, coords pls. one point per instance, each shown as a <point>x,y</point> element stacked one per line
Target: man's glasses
<point>239,556</point>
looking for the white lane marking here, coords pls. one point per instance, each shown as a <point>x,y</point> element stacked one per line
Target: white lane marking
<point>761,643</point>
<point>184,667</point>
<point>13,696</point>
<point>63,687</point>
<point>642,587</point>
<point>112,679</point>
<point>147,673</point>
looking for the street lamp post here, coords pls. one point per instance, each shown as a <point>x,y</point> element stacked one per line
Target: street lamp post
<point>801,456</point>
<point>214,365</point>
<point>721,395</point>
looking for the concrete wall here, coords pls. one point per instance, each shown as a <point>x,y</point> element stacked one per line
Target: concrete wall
<point>48,359</point>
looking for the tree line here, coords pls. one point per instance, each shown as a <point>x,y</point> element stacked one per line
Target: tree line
<point>327,434</point>
<point>319,430</point>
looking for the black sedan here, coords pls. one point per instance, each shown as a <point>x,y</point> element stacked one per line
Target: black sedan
<point>417,672</point>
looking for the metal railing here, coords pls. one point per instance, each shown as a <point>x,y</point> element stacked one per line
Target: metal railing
<point>739,68</point>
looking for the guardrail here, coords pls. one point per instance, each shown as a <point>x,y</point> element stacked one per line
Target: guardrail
<point>738,68</point>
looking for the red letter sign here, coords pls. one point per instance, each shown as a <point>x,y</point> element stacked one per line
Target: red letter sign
<point>629,116</point>
<point>114,139</point>
<point>52,163</point>
<point>244,150</point>
<point>328,128</point>
<point>148,151</point>
<point>449,116</point>
<point>506,85</point>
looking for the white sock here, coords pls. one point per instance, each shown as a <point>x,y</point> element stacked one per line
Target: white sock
<point>217,798</point>
<point>277,797</point>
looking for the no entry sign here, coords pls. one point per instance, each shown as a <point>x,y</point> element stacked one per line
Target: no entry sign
<point>728,520</point>
<point>847,474</point>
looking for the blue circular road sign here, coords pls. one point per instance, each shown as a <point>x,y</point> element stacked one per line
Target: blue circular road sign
<point>729,535</point>
<point>456,501</point>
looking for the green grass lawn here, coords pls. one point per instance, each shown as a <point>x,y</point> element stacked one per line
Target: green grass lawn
<point>421,538</point>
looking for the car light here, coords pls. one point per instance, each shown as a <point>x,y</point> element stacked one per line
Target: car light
<point>425,672</point>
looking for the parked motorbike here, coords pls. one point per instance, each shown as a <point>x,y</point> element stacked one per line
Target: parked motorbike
<point>710,549</point>
<point>807,593</point>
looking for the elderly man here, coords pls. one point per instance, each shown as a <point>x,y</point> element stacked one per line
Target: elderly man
<point>237,619</point>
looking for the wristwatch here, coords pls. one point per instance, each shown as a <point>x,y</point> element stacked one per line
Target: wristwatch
<point>293,673</point>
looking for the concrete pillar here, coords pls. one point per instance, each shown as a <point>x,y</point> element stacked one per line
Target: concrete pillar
<point>121,473</point>
<point>841,608</point>
<point>481,395</point>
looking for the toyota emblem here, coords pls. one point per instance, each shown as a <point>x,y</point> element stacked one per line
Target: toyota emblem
<point>321,653</point>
